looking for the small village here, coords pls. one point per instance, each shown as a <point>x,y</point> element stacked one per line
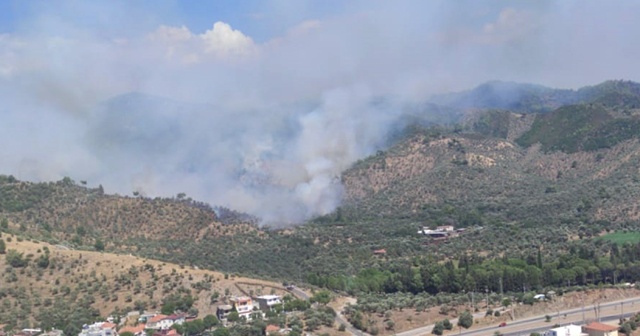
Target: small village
<point>239,310</point>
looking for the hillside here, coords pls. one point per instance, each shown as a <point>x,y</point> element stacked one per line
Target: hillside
<point>540,168</point>
<point>545,183</point>
<point>61,287</point>
<point>65,211</point>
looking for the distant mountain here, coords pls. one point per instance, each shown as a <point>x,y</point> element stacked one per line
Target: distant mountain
<point>516,166</point>
<point>531,98</point>
<point>508,96</point>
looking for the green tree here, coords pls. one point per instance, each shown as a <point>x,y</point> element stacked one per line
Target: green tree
<point>99,245</point>
<point>210,321</point>
<point>3,247</point>
<point>390,325</point>
<point>126,333</point>
<point>625,329</point>
<point>43,261</point>
<point>15,258</point>
<point>214,297</point>
<point>233,317</point>
<point>322,297</point>
<point>221,332</point>
<point>465,320</point>
<point>447,324</point>
<point>438,329</point>
<point>4,224</point>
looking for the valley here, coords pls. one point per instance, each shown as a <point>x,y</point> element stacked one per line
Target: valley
<point>547,199</point>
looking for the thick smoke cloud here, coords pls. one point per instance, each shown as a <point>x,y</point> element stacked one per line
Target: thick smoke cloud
<point>267,125</point>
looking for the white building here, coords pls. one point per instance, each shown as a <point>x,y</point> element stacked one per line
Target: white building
<point>243,305</point>
<point>267,302</point>
<point>568,330</point>
<point>99,329</point>
<point>164,322</point>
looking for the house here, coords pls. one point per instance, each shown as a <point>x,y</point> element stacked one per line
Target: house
<point>446,228</point>
<point>600,329</point>
<point>267,302</point>
<point>380,252</point>
<point>272,329</point>
<point>243,305</point>
<point>136,331</point>
<point>164,322</point>
<point>99,329</point>
<point>170,320</point>
<point>166,332</point>
<point>568,330</point>
<point>155,322</point>
<point>223,311</point>
<point>144,317</point>
<point>433,233</point>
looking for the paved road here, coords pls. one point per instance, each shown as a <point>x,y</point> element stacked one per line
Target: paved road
<point>610,310</point>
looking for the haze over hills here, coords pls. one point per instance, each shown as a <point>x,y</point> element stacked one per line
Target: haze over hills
<point>320,143</point>
<point>548,185</point>
<point>575,164</point>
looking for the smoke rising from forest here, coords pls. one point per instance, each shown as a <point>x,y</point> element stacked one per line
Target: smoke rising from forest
<point>267,125</point>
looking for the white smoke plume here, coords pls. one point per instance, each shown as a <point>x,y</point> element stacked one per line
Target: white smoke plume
<point>119,94</point>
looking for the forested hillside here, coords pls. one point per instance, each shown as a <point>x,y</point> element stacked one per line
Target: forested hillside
<point>538,192</point>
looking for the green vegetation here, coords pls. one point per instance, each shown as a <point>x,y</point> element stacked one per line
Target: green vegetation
<point>493,123</point>
<point>568,129</point>
<point>621,238</point>
<point>465,320</point>
<point>545,211</point>
<point>16,259</point>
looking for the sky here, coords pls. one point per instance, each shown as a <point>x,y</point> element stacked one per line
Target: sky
<point>260,105</point>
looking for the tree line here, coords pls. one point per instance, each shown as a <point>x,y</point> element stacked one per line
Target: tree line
<point>581,265</point>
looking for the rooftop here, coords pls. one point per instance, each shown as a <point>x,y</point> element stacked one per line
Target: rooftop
<point>134,330</point>
<point>107,325</point>
<point>597,326</point>
<point>157,318</point>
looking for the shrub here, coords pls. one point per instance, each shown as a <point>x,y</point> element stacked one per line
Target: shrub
<point>447,324</point>
<point>16,259</point>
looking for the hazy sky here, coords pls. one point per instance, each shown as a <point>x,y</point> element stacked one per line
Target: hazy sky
<point>268,101</point>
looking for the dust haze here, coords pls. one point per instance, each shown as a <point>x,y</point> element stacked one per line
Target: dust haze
<point>135,102</point>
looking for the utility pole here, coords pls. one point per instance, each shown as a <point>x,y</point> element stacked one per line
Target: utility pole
<point>621,310</point>
<point>582,298</point>
<point>473,304</point>
<point>487,291</point>
<point>599,311</point>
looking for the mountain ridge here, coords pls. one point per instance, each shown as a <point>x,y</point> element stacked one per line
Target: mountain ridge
<point>473,174</point>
